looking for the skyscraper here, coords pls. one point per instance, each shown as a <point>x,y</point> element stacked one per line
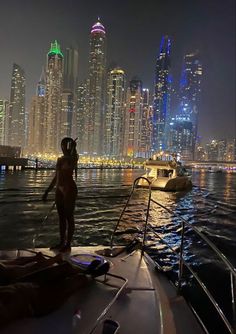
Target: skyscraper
<point>133,117</point>
<point>54,88</point>
<point>71,69</point>
<point>146,125</point>
<point>3,120</point>
<point>115,104</point>
<point>95,90</point>
<point>37,114</point>
<point>81,117</point>
<point>190,89</point>
<point>180,136</point>
<point>161,96</point>
<point>67,117</point>
<point>17,115</point>
<point>70,82</point>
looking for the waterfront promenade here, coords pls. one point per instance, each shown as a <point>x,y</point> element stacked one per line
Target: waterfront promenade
<point>22,163</point>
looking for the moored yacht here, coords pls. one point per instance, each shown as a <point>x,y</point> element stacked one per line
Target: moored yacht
<point>167,175</point>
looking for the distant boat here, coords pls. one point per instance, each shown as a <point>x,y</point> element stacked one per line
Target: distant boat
<point>167,175</point>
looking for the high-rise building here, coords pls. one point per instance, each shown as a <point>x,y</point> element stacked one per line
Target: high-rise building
<point>69,99</point>
<point>54,88</point>
<point>4,104</point>
<point>190,89</point>
<point>212,150</point>
<point>114,121</point>
<point>222,150</point>
<point>146,125</point>
<point>71,69</point>
<point>161,102</point>
<point>231,150</point>
<point>17,116</point>
<point>67,117</point>
<point>133,119</point>
<point>81,117</point>
<point>37,114</point>
<point>95,91</point>
<point>180,136</point>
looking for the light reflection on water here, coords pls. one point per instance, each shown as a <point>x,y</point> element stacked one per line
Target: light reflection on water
<point>211,205</point>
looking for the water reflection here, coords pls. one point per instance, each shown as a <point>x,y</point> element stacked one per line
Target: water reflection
<point>101,197</point>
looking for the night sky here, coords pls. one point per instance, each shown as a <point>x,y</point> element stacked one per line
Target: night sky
<point>134,29</point>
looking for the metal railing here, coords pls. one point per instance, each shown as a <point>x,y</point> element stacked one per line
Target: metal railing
<point>180,254</point>
<point>114,299</point>
<point>182,263</point>
<point>135,184</point>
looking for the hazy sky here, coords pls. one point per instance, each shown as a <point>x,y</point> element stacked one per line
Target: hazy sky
<point>134,29</point>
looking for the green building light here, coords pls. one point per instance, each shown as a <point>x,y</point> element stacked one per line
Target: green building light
<point>55,49</point>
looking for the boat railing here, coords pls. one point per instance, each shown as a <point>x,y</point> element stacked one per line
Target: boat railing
<point>114,299</point>
<point>182,262</point>
<point>135,184</point>
<point>180,253</point>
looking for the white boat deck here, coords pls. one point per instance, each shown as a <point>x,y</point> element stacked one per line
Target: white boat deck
<point>150,304</point>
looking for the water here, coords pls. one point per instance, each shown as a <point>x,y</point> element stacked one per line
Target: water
<point>210,205</point>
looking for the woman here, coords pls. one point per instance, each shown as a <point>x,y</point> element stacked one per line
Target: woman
<point>66,192</point>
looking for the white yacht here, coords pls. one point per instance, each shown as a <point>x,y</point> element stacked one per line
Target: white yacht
<point>167,175</point>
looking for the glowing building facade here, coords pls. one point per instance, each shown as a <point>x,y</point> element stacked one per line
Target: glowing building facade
<point>37,114</point>
<point>81,117</point>
<point>146,125</point>
<point>115,107</point>
<point>67,114</point>
<point>190,89</point>
<point>161,102</point>
<point>17,116</point>
<point>53,99</point>
<point>133,119</point>
<point>95,91</point>
<point>4,104</point>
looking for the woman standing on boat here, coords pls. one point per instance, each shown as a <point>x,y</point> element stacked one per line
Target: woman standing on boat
<point>66,192</point>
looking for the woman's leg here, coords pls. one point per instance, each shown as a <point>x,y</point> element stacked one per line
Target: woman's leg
<point>62,218</point>
<point>70,199</point>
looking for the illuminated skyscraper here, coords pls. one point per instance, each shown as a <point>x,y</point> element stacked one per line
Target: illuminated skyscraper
<point>180,136</point>
<point>161,96</point>
<point>37,130</point>
<point>4,104</point>
<point>54,87</point>
<point>67,117</point>
<point>146,125</point>
<point>190,89</point>
<point>114,123</point>
<point>81,117</point>
<point>95,90</point>
<point>132,119</point>
<point>70,81</point>
<point>17,116</point>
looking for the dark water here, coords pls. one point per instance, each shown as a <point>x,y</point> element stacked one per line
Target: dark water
<point>210,205</point>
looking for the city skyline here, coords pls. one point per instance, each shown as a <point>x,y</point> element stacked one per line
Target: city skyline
<point>210,31</point>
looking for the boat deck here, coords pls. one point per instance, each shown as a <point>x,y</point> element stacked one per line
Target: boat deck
<point>148,305</point>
